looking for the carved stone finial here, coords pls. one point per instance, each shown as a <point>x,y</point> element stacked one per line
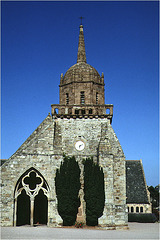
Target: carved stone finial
<point>61,78</point>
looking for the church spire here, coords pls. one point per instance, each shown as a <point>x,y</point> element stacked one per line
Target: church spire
<point>81,57</point>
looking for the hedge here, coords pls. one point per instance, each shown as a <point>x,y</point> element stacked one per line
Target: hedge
<point>142,217</point>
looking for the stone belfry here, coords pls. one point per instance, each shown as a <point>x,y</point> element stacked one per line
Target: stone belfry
<point>82,89</point>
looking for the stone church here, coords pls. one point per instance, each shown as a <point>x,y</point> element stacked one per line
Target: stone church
<point>80,126</point>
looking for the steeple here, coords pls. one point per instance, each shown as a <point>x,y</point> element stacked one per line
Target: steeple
<point>81,57</point>
<point>82,90</point>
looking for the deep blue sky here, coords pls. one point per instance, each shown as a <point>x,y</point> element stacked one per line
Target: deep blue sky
<point>40,41</point>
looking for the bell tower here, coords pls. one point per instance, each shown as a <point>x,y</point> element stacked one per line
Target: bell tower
<point>82,90</point>
<point>82,128</point>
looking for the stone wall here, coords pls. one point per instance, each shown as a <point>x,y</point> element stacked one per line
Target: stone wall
<point>36,152</point>
<point>43,151</point>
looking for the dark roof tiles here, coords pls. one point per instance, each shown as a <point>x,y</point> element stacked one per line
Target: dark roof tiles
<point>136,189</point>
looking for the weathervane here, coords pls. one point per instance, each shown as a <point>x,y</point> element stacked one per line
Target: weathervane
<point>81,19</point>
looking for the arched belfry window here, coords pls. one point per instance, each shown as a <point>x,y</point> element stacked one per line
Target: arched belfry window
<point>31,199</point>
<point>90,111</point>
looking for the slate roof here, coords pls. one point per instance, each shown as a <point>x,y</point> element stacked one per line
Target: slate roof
<point>136,189</point>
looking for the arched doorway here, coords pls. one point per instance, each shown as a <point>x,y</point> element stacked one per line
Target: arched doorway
<point>40,208</point>
<point>23,209</point>
<point>31,199</point>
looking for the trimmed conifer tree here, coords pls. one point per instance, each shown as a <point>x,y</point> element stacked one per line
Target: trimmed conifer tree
<point>67,183</point>
<point>94,194</point>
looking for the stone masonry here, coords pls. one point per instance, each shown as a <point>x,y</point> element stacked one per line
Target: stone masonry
<point>43,151</point>
<point>81,119</point>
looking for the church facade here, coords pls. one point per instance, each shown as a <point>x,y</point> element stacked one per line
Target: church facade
<point>80,126</point>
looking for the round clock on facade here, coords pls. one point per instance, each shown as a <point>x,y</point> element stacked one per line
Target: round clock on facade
<point>79,145</point>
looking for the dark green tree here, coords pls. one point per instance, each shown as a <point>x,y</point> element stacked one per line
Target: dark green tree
<point>155,196</point>
<point>67,183</point>
<point>94,194</point>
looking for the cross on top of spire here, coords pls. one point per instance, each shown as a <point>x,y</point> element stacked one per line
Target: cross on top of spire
<point>81,19</point>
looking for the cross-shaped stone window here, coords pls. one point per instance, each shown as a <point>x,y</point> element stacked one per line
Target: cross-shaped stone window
<point>32,180</point>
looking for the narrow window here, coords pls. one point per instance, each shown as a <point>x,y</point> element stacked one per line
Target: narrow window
<point>83,111</point>
<point>137,209</point>
<point>67,98</point>
<point>96,97</point>
<point>107,111</point>
<point>56,110</point>
<point>90,111</point>
<point>141,209</point>
<point>76,111</point>
<point>132,210</point>
<point>82,98</point>
<point>70,110</point>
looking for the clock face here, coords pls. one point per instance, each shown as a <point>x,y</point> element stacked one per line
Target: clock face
<point>79,145</point>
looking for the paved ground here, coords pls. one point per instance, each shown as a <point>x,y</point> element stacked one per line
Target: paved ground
<point>136,231</point>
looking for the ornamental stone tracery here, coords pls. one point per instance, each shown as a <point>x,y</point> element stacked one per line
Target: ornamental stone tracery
<point>32,182</point>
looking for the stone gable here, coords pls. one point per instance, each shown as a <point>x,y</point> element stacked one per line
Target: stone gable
<point>43,151</point>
